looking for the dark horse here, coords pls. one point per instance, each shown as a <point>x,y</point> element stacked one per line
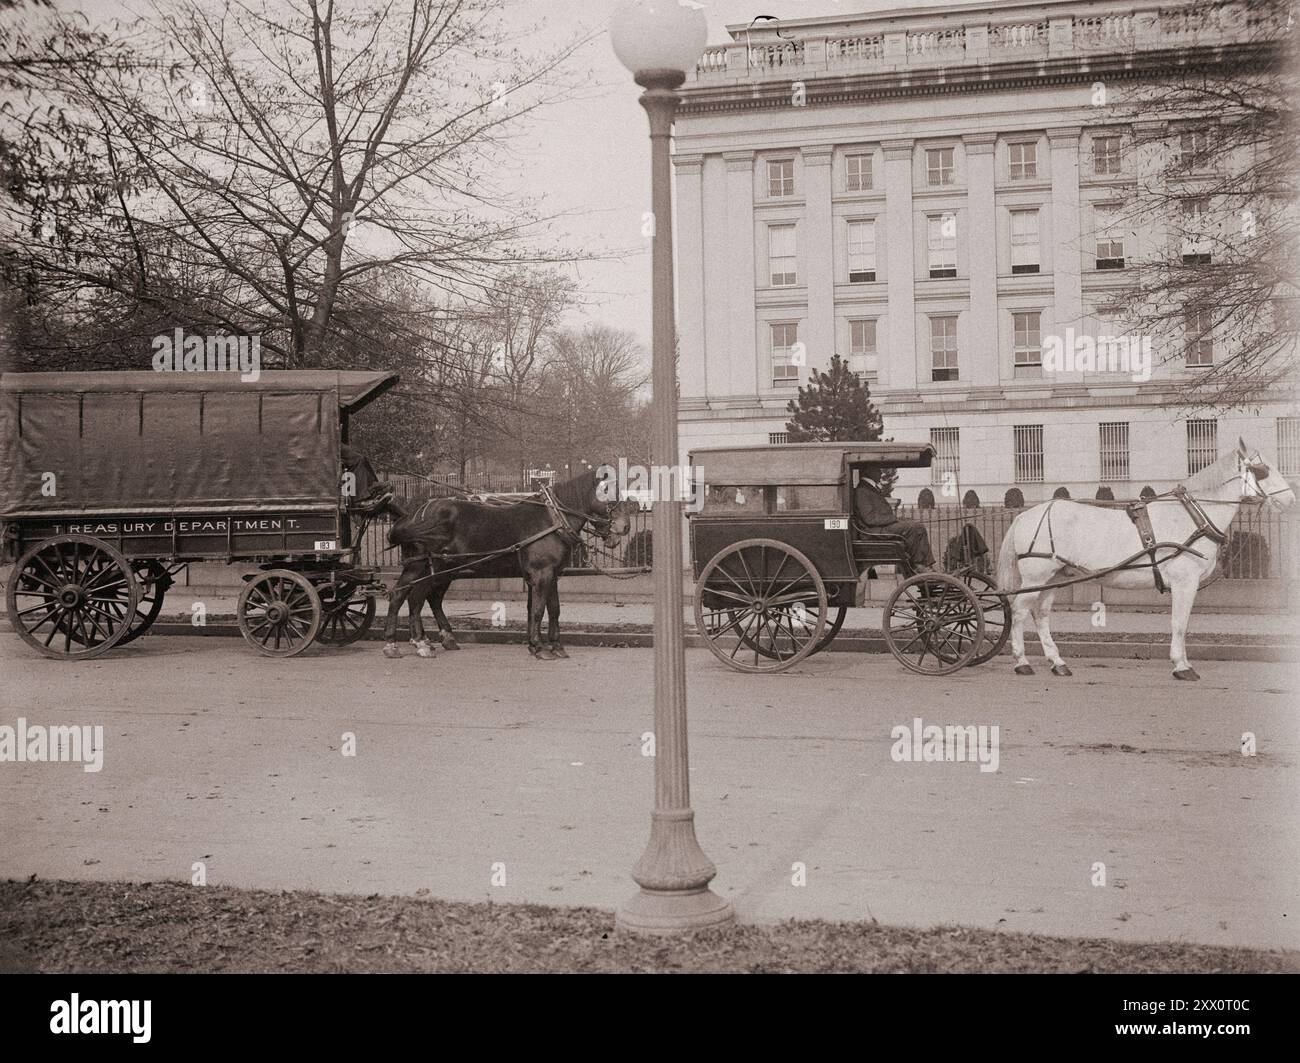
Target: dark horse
<point>445,539</point>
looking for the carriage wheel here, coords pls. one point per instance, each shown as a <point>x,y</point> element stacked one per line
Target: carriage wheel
<point>762,599</point>
<point>934,624</point>
<point>347,618</point>
<point>155,579</point>
<point>996,609</point>
<point>72,597</point>
<point>832,629</point>
<point>279,613</point>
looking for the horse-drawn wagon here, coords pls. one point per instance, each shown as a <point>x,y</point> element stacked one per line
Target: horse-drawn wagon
<point>777,557</point>
<point>110,483</point>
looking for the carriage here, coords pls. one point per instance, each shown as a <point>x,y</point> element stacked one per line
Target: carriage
<point>778,558</point>
<point>111,483</point>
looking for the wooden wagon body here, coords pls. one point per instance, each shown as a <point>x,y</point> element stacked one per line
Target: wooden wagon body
<point>149,471</point>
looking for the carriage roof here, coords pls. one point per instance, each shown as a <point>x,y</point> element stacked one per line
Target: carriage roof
<point>353,389</point>
<point>142,442</point>
<point>802,463</point>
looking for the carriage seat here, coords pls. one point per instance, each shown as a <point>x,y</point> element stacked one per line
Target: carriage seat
<point>878,547</point>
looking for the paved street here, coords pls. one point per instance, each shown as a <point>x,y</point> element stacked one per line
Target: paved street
<point>486,757</point>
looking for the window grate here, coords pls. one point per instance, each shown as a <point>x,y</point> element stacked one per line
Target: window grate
<point>1113,448</point>
<point>1202,444</point>
<point>946,467</point>
<point>1028,441</point>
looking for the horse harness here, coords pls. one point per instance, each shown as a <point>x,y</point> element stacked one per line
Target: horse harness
<point>559,526</point>
<point>1204,528</point>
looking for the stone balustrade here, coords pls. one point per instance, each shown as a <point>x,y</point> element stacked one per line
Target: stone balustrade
<point>892,44</point>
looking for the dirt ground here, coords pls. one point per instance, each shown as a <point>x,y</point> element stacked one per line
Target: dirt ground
<point>112,927</point>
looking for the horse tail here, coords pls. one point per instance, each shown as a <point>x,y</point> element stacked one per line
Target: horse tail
<point>1008,566</point>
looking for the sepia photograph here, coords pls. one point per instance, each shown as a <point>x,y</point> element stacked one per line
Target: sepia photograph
<point>551,487</point>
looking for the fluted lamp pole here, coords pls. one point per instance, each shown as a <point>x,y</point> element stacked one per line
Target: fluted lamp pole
<point>658,41</point>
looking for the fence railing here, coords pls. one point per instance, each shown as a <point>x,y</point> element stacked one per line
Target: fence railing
<point>1262,543</point>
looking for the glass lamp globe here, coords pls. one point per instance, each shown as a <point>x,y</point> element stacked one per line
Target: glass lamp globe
<point>658,35</point>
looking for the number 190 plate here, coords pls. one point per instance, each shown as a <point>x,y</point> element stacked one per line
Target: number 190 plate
<point>836,523</point>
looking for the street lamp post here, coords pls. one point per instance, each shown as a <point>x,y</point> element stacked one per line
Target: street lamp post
<point>658,41</point>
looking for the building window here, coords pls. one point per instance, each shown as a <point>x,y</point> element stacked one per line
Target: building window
<point>862,337</point>
<point>1028,440</point>
<point>1024,241</point>
<point>1024,161</point>
<point>1202,444</point>
<point>943,348</point>
<point>781,255</point>
<point>1288,446</point>
<point>946,468</point>
<point>863,357</point>
<point>942,242</point>
<point>938,166</point>
<point>1193,150</point>
<point>1110,237</point>
<point>780,177</point>
<point>1198,338</point>
<point>1196,240</point>
<point>785,337</point>
<point>777,439</point>
<point>1113,447</point>
<point>1027,326</point>
<point>857,173</point>
<point>1105,155</point>
<point>862,251</point>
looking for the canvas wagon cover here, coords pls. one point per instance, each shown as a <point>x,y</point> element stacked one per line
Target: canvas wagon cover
<point>800,463</point>
<point>128,443</point>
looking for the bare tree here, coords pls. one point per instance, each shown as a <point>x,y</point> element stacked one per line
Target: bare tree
<point>292,157</point>
<point>1215,194</point>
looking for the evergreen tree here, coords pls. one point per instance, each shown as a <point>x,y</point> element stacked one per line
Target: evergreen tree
<point>836,407</point>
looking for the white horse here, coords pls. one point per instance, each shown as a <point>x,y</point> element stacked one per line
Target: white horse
<point>1062,539</point>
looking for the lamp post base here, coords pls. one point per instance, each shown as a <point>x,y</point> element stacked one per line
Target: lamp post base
<point>666,913</point>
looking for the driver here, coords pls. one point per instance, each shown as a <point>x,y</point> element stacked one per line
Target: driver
<point>874,513</point>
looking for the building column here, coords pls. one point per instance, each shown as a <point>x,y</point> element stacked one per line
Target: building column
<point>817,252</point>
<point>692,356</point>
<point>1067,235</point>
<point>983,367</point>
<point>734,286</point>
<point>898,367</point>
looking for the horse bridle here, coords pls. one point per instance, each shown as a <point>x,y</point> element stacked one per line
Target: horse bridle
<point>1252,470</point>
<point>601,523</point>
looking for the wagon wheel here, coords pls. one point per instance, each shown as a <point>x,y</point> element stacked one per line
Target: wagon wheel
<point>72,597</point>
<point>155,580</point>
<point>347,617</point>
<point>997,615</point>
<point>762,597</point>
<point>832,629</point>
<point>934,624</point>
<point>279,613</point>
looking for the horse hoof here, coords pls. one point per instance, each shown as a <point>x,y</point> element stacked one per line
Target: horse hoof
<point>424,649</point>
<point>450,644</point>
<point>544,655</point>
<point>559,652</point>
<point>1024,669</point>
<point>1061,669</point>
<point>1186,673</point>
<point>391,651</point>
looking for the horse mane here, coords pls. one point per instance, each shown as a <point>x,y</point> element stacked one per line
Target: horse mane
<point>576,493</point>
<point>1212,475</point>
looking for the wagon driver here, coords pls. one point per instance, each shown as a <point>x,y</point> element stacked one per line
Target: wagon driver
<point>875,514</point>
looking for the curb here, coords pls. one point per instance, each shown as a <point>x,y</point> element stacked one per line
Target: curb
<point>1145,649</point>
